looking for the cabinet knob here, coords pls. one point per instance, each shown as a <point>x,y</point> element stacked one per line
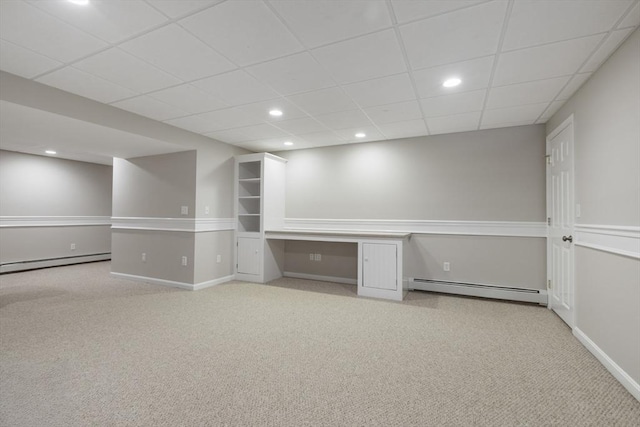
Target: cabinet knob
<point>366,259</point>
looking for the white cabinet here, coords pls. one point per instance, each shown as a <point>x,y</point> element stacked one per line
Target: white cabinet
<point>249,255</point>
<point>380,266</point>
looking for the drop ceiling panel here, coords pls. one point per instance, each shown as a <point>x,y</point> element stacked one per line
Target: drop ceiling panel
<point>301,125</point>
<point>85,84</point>
<point>456,103</point>
<point>178,8</point>
<point>543,62</point>
<point>525,93</point>
<point>261,110</point>
<point>385,90</point>
<point>112,21</point>
<point>150,107</point>
<point>323,101</point>
<point>404,129</point>
<point>431,42</point>
<point>198,123</point>
<point>229,118</point>
<point>24,62</point>
<point>231,136</point>
<point>371,134</point>
<point>177,52</point>
<point>475,74</point>
<point>523,114</point>
<point>189,98</point>
<point>410,10</point>
<point>605,50</point>
<point>535,22</point>
<point>575,83</point>
<point>321,139</point>
<point>456,123</point>
<point>632,19</point>
<point>236,88</point>
<point>292,74</point>
<point>550,111</point>
<point>126,70</point>
<point>310,19</point>
<point>345,120</point>
<point>389,113</point>
<point>246,32</point>
<point>28,26</point>
<point>263,131</point>
<point>362,58</point>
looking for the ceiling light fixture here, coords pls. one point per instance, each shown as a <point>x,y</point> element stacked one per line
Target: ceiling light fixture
<point>275,113</point>
<point>452,82</point>
<point>360,135</point>
<point>50,152</point>
<point>79,2</point>
<point>288,143</point>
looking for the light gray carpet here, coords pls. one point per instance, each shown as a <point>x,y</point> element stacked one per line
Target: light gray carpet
<point>80,348</point>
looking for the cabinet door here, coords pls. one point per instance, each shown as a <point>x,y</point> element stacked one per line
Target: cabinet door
<point>379,266</point>
<point>248,255</point>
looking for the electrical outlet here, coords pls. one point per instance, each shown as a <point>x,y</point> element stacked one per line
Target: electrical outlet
<point>206,210</point>
<point>184,210</point>
<point>318,257</point>
<point>311,257</point>
<point>578,210</point>
<point>144,257</point>
<point>446,266</point>
<point>184,261</point>
<point>219,258</point>
<point>73,246</point>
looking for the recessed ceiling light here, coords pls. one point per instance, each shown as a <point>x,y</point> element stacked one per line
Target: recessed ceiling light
<point>275,113</point>
<point>50,152</point>
<point>79,2</point>
<point>360,135</point>
<point>452,82</point>
<point>288,143</point>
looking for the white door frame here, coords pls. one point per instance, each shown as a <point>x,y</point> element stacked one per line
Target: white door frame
<point>571,206</point>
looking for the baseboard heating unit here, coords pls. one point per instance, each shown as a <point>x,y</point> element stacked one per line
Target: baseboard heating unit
<point>9,267</point>
<point>477,290</point>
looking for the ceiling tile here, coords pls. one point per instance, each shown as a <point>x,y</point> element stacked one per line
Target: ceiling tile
<point>605,50</point>
<point>405,129</point>
<point>323,101</point>
<point>455,103</point>
<point>150,107</point>
<point>178,8</point>
<point>274,144</point>
<point>520,114</point>
<point>229,118</point>
<point>632,19</point>
<point>432,42</point>
<point>475,74</point>
<point>363,58</point>
<point>125,70</point>
<point>309,20</point>
<point>456,123</point>
<point>301,125</point>
<point>410,10</point>
<point>345,120</point>
<point>84,84</point>
<point>525,93</point>
<point>261,110</point>
<point>292,74</point>
<point>111,20</point>
<point>322,138</point>
<point>236,88</point>
<point>189,98</point>
<point>550,111</point>
<point>246,32</point>
<point>543,62</point>
<point>230,136</point>
<point>574,85</point>
<point>23,62</point>
<point>385,90</point>
<point>263,131</point>
<point>398,112</point>
<point>199,123</point>
<point>371,134</point>
<point>27,26</point>
<point>175,51</point>
<point>535,22</point>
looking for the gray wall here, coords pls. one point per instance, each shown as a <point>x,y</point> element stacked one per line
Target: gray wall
<point>489,175</point>
<point>39,186</point>
<point>607,166</point>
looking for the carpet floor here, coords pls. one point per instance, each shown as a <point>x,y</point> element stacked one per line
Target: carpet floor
<point>80,348</point>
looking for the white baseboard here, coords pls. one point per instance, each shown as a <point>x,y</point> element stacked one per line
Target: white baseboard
<point>56,262</point>
<point>632,386</point>
<point>538,296</point>
<point>171,283</point>
<point>344,280</point>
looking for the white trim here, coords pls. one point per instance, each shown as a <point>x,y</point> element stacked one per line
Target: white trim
<point>171,283</point>
<point>52,221</point>
<point>476,228</point>
<point>615,370</point>
<point>31,265</point>
<point>538,296</point>
<point>621,240</point>
<point>320,278</point>
<point>188,225</point>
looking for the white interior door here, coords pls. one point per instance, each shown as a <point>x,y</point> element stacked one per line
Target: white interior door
<point>560,208</point>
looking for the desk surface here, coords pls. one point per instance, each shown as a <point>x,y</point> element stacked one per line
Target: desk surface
<point>338,235</point>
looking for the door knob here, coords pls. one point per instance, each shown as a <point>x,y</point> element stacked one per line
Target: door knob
<point>567,239</point>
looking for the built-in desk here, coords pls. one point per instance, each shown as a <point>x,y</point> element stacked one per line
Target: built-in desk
<point>380,259</point>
